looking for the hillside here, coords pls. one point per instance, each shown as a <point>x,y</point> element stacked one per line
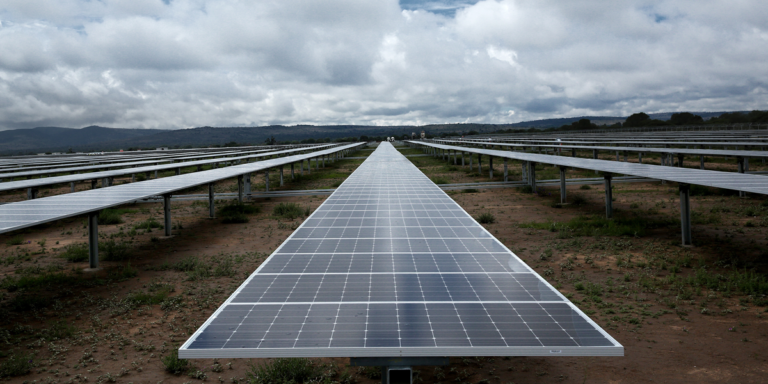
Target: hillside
<point>61,139</point>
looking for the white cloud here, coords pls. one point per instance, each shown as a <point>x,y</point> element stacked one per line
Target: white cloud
<point>183,63</point>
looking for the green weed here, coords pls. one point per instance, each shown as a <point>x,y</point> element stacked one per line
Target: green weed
<point>237,212</point>
<point>109,217</point>
<point>16,240</point>
<point>16,366</point>
<point>110,250</point>
<point>76,253</point>
<point>290,211</point>
<point>174,365</point>
<point>148,224</point>
<point>288,371</point>
<point>440,180</point>
<point>486,218</point>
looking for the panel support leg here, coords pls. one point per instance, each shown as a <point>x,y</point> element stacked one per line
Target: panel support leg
<point>532,174</point>
<point>741,170</point>
<point>506,171</point>
<point>680,159</point>
<point>490,166</point>
<point>281,176</point>
<point>240,189</point>
<point>72,186</point>
<point>685,213</point>
<point>640,157</point>
<point>701,159</point>
<point>479,164</point>
<point>562,185</point>
<point>211,202</point>
<point>594,156</point>
<point>462,158</point>
<point>608,196</point>
<point>247,185</point>
<point>292,175</point>
<point>167,211</point>
<point>93,239</point>
<point>266,179</point>
<point>32,193</point>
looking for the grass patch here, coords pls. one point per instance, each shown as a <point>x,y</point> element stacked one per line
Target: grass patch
<point>285,370</point>
<point>76,253</point>
<point>16,240</point>
<point>440,180</point>
<point>111,250</point>
<point>174,365</point>
<point>470,190</point>
<point>237,212</point>
<point>16,365</point>
<point>585,187</point>
<point>290,211</point>
<point>110,216</point>
<point>486,218</point>
<point>525,189</point>
<point>600,226</point>
<point>148,225</point>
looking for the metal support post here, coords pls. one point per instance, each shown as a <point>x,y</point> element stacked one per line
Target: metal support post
<point>625,156</point>
<point>93,239</point>
<point>490,166</point>
<point>292,177</point>
<point>93,184</point>
<point>617,156</point>
<point>31,193</point>
<point>247,184</point>
<point>680,159</point>
<point>470,161</point>
<point>240,189</point>
<point>524,172</point>
<point>167,210</point>
<point>685,213</point>
<point>317,163</point>
<point>532,175</point>
<point>506,171</point>
<point>462,158</point>
<point>608,196</point>
<point>211,201</point>
<point>281,176</point>
<point>147,175</point>
<point>178,171</point>
<point>266,179</point>
<point>562,185</point>
<point>133,177</point>
<point>740,160</point>
<point>71,186</point>
<point>701,159</point>
<point>155,174</point>
<point>640,157</point>
<point>455,160</point>
<point>479,164</point>
<point>594,156</point>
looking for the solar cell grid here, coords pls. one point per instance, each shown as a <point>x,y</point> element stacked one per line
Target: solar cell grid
<point>390,266</point>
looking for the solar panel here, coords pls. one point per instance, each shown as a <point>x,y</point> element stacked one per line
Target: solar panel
<point>389,265</point>
<point>725,180</point>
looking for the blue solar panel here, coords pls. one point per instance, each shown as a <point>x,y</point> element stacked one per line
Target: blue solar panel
<point>390,266</point>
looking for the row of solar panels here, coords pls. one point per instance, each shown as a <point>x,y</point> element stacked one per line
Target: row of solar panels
<point>50,164</point>
<point>725,180</point>
<point>48,170</point>
<point>390,266</point>
<point>37,183</point>
<point>28,213</point>
<point>574,147</point>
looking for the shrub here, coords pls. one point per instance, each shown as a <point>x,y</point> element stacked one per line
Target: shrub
<point>470,190</point>
<point>236,212</point>
<point>76,253</point>
<point>290,211</point>
<point>440,180</point>
<point>148,224</point>
<point>285,370</point>
<point>525,189</point>
<point>174,365</point>
<point>114,251</point>
<point>585,187</point>
<point>16,366</point>
<point>16,240</point>
<point>109,217</point>
<point>486,218</point>
<point>140,177</point>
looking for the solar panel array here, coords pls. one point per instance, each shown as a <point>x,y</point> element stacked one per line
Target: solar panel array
<point>725,180</point>
<point>33,183</point>
<point>23,214</point>
<point>389,265</point>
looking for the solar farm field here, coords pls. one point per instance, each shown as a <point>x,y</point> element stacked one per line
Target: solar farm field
<point>683,314</point>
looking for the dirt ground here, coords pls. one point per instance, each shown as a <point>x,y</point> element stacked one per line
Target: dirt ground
<point>684,314</point>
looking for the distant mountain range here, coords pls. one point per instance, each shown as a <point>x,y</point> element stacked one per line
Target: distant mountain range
<point>94,138</point>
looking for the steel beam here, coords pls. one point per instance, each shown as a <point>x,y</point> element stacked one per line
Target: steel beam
<point>562,185</point>
<point>608,196</point>
<point>167,211</point>
<point>685,213</point>
<point>93,239</point>
<point>211,201</point>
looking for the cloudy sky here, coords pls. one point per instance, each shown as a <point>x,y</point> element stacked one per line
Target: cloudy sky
<point>188,63</point>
